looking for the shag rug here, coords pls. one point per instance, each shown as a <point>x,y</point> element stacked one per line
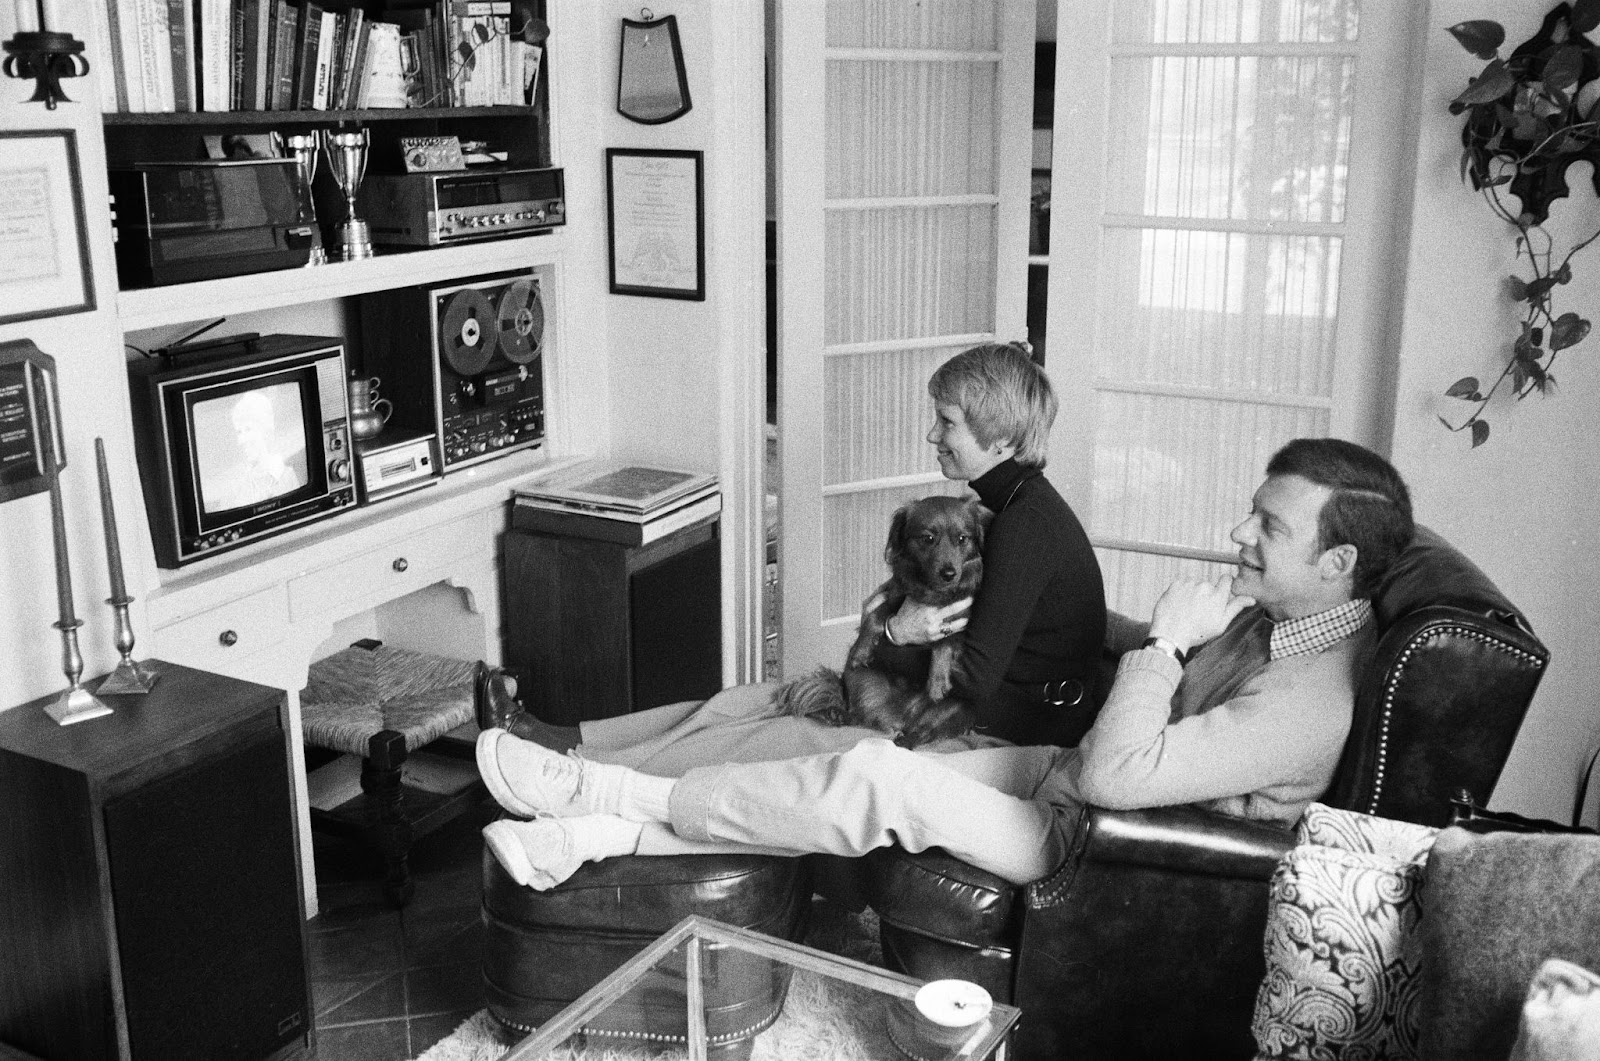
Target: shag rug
<point>822,1019</point>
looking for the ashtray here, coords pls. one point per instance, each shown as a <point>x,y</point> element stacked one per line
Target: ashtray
<point>941,1022</point>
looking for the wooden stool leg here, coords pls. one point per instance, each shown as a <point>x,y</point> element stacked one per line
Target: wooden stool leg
<point>387,826</point>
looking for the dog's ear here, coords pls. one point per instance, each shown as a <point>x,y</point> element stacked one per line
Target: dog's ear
<point>897,534</point>
<point>981,517</point>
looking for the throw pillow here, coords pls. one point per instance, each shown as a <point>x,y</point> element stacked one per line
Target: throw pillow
<point>1341,942</point>
<point>1498,905</point>
<point>1561,1017</point>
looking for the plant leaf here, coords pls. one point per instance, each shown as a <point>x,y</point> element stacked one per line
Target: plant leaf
<point>1540,287</point>
<point>1563,68</point>
<point>1519,376</point>
<point>1518,288</point>
<point>481,32</point>
<point>1587,96</point>
<point>1568,330</point>
<point>1585,15</point>
<point>1481,37</point>
<point>1466,387</point>
<point>1480,433</point>
<point>1494,82</point>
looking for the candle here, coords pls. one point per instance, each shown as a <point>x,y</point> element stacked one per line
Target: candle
<point>27,12</point>
<point>47,450</point>
<point>50,16</point>
<point>108,515</point>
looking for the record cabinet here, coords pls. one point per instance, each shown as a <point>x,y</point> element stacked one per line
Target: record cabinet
<point>595,629</point>
<point>152,910</point>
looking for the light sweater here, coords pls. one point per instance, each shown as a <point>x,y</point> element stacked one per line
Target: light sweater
<point>1235,730</point>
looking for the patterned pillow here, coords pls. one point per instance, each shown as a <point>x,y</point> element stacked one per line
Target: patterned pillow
<point>1341,945</point>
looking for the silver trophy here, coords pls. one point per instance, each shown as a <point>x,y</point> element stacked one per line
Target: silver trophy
<point>303,147</point>
<point>347,161</point>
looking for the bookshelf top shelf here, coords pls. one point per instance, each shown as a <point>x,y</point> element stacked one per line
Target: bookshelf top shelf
<point>238,118</point>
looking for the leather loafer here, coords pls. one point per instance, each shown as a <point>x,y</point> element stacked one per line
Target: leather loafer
<point>494,705</point>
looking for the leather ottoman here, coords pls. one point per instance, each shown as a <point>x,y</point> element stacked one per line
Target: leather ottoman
<point>939,917</point>
<point>544,949</point>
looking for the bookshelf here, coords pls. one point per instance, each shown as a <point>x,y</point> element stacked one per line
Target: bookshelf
<point>335,117</point>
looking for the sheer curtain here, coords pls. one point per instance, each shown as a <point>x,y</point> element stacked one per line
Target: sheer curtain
<point>1201,274</point>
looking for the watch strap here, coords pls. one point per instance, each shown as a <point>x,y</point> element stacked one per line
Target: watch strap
<point>1161,644</point>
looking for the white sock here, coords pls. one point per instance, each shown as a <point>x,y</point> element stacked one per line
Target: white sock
<point>612,789</point>
<point>598,836</point>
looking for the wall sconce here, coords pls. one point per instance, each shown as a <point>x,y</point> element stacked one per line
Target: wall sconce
<point>652,87</point>
<point>45,56</point>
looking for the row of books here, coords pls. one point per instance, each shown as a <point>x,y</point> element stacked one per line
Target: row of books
<point>626,504</point>
<point>244,55</point>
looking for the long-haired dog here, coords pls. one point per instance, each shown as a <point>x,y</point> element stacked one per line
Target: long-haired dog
<point>935,557</point>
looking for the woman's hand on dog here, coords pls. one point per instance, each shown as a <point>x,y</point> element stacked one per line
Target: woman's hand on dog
<point>1192,613</point>
<point>922,624</point>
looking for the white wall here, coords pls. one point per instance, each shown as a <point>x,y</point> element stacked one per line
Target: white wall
<point>1523,505</point>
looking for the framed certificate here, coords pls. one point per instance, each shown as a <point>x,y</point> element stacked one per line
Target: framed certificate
<point>655,214</point>
<point>45,270</point>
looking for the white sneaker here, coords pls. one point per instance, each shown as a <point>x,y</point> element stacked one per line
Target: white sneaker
<point>546,851</point>
<point>529,779</point>
<point>539,854</point>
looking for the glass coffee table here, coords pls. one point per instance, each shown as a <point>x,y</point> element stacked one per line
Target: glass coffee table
<point>709,990</point>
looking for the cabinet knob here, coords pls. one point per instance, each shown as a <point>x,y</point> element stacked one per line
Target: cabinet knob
<point>400,564</point>
<point>228,638</point>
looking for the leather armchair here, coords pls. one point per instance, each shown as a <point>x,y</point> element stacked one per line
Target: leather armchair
<point>1147,940</point>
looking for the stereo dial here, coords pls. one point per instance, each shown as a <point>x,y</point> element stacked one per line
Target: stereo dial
<point>339,470</point>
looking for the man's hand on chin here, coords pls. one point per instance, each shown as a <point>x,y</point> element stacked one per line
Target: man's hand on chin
<point>1192,613</point>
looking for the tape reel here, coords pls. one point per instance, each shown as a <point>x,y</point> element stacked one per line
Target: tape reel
<point>521,322</point>
<point>469,332</point>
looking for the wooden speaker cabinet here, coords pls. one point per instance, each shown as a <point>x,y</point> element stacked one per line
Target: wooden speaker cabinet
<point>595,629</point>
<point>152,909</point>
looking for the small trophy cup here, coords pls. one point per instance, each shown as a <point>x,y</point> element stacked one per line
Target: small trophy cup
<point>302,147</point>
<point>347,161</point>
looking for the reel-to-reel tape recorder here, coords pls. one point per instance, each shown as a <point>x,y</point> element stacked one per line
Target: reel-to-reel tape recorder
<point>465,359</point>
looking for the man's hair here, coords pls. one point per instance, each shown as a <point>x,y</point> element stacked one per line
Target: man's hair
<point>1005,396</point>
<point>1370,507</point>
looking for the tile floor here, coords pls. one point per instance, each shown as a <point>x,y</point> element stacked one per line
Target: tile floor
<point>388,984</point>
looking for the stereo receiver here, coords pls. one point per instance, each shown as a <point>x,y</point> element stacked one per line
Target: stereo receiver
<point>430,209</point>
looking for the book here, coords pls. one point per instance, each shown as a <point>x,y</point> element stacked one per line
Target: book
<point>113,92</point>
<point>628,490</point>
<point>257,35</point>
<point>341,29</point>
<point>283,56</point>
<point>214,53</point>
<point>154,51</point>
<point>308,36</point>
<point>269,52</point>
<point>355,22</point>
<point>355,84</point>
<point>327,39</point>
<point>529,514</point>
<point>237,85</point>
<point>180,31</point>
<point>532,57</point>
<point>125,31</point>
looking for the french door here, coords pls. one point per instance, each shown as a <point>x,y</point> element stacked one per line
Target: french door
<point>902,152</point>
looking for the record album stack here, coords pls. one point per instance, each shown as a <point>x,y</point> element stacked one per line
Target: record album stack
<point>612,501</point>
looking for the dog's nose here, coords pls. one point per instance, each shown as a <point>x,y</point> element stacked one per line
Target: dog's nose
<point>948,572</point>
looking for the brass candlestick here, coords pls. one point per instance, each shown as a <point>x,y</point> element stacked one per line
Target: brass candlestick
<point>77,704</point>
<point>128,677</point>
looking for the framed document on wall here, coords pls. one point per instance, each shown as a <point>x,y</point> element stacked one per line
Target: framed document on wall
<point>45,270</point>
<point>655,213</point>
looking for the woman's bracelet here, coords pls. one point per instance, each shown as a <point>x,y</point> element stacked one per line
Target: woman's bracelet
<point>888,632</point>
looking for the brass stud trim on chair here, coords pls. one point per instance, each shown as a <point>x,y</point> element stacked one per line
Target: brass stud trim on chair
<point>1398,672</point>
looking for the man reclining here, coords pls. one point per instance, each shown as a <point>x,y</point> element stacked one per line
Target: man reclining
<point>1239,700</point>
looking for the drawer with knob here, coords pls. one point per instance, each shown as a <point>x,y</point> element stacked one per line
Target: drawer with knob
<point>388,571</point>
<point>222,639</point>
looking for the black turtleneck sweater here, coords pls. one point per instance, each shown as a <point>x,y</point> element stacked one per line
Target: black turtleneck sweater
<point>1039,616</point>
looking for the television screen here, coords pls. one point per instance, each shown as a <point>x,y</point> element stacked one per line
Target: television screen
<point>250,446</point>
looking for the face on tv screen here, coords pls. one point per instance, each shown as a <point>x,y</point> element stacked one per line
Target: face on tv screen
<point>250,446</point>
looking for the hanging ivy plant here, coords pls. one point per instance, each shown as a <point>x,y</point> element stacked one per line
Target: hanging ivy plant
<point>1530,116</point>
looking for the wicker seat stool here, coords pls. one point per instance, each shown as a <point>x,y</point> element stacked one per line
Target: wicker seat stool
<point>542,950</point>
<point>382,704</point>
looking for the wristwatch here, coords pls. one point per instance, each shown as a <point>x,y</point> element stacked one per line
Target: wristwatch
<point>1161,644</point>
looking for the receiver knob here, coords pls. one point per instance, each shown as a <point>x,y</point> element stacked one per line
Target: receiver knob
<point>228,638</point>
<point>339,470</point>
